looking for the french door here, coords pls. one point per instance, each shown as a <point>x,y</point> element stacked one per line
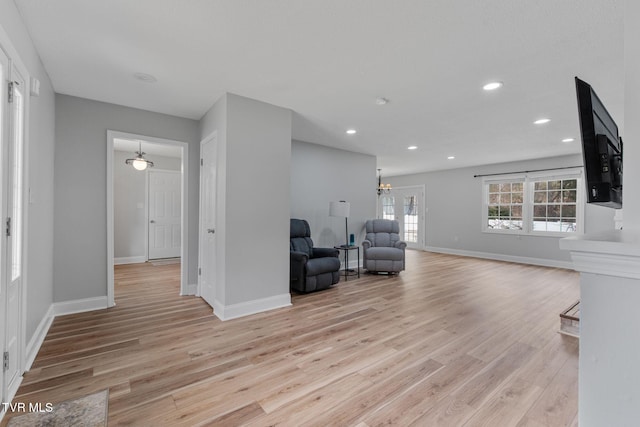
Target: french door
<point>406,205</point>
<point>12,141</point>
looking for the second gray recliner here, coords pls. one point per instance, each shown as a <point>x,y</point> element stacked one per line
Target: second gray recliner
<point>383,249</point>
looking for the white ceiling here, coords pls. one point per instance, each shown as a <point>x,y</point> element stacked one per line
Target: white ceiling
<point>328,61</point>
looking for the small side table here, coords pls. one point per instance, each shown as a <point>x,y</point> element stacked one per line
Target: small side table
<point>347,248</point>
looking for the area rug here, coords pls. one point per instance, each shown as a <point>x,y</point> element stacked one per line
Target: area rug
<point>87,411</point>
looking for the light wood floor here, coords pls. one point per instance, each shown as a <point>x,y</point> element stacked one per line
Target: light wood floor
<point>452,341</point>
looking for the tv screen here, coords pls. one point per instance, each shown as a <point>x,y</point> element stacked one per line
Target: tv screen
<point>601,149</point>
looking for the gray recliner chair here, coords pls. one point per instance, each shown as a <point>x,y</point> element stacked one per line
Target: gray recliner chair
<point>383,249</point>
<point>311,269</point>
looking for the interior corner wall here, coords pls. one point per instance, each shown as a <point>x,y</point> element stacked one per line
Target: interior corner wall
<point>454,214</point>
<point>41,142</point>
<point>130,203</point>
<point>252,218</point>
<point>320,175</point>
<point>80,214</point>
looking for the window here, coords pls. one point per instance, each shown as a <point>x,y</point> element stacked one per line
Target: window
<point>410,219</point>
<point>505,206</point>
<point>534,204</point>
<point>554,205</point>
<point>388,208</point>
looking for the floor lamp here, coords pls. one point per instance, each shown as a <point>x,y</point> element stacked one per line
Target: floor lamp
<point>341,209</point>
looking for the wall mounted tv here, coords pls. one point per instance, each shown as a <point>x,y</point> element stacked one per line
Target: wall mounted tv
<point>601,149</point>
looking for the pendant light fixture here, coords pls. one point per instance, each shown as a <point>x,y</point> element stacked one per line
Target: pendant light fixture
<point>382,188</point>
<point>139,163</point>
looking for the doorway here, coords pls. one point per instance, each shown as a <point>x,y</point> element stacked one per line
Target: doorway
<point>180,233</point>
<point>406,205</point>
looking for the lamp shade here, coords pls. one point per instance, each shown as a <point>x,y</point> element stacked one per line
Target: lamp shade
<point>340,209</point>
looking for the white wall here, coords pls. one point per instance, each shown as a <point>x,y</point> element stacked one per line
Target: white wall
<point>41,142</point>
<point>454,213</point>
<point>254,141</point>
<point>130,203</point>
<point>320,175</point>
<point>80,217</point>
<point>631,130</point>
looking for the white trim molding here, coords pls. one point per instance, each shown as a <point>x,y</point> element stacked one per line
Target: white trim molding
<point>129,260</point>
<point>38,338</point>
<point>80,305</point>
<point>501,257</point>
<point>242,309</point>
<point>611,253</point>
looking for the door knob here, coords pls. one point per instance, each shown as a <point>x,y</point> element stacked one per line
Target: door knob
<point>211,230</point>
<point>153,221</point>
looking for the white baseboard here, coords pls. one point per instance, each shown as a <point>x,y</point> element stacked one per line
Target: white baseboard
<point>79,305</point>
<point>501,257</point>
<point>234,311</point>
<point>38,338</point>
<point>129,260</point>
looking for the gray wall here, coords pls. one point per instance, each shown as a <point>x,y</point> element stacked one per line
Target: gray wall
<point>320,175</point>
<point>254,150</point>
<point>454,208</point>
<point>80,216</point>
<point>130,203</point>
<point>39,273</point>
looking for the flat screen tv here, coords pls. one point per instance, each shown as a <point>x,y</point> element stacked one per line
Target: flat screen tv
<point>601,149</point>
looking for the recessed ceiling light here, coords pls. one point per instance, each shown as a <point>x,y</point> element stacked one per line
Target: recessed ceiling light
<point>541,121</point>
<point>148,78</point>
<point>382,101</point>
<point>412,147</point>
<point>451,157</point>
<point>351,131</point>
<point>568,140</point>
<point>492,86</point>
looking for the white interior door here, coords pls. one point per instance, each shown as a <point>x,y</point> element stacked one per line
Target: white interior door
<point>164,214</point>
<point>4,78</point>
<point>13,124</point>
<point>207,269</point>
<point>406,205</point>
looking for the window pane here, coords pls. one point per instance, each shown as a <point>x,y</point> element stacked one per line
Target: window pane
<point>494,199</point>
<point>568,211</point>
<point>554,196</point>
<point>506,187</point>
<point>505,199</point>
<point>553,211</point>
<point>541,185</point>
<point>554,185</point>
<point>569,196</point>
<point>540,211</point>
<point>494,188</point>
<point>569,183</point>
<point>516,187</point>
<point>516,211</point>
<point>516,198</point>
<point>540,197</point>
